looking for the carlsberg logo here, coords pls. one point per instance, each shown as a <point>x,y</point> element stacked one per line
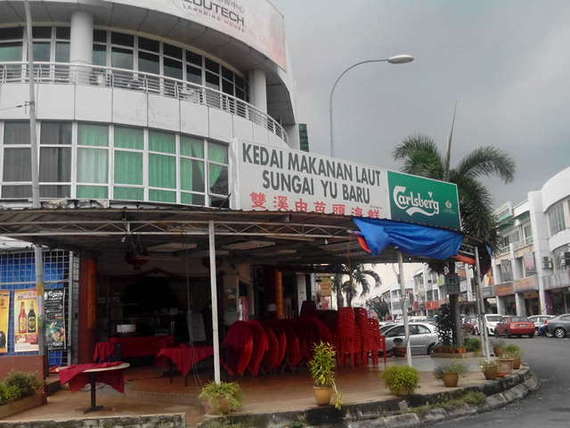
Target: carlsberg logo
<point>413,203</point>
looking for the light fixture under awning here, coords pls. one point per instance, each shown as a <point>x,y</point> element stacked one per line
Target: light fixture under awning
<point>248,245</point>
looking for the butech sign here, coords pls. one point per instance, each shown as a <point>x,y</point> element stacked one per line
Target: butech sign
<point>421,200</point>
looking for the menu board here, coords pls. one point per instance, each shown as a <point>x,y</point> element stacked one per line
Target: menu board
<point>55,319</point>
<point>25,320</point>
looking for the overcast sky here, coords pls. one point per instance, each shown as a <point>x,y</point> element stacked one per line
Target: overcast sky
<point>507,64</point>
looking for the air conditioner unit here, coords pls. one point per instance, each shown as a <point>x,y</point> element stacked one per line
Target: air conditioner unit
<point>546,262</point>
<point>565,259</point>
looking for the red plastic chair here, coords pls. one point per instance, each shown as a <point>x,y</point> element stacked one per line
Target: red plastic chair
<point>237,348</point>
<point>347,341</point>
<point>260,347</point>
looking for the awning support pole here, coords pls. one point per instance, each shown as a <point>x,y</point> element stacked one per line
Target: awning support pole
<point>481,309</point>
<point>404,301</point>
<point>214,291</point>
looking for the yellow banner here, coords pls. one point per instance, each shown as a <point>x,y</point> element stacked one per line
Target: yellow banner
<point>26,319</point>
<point>4,317</point>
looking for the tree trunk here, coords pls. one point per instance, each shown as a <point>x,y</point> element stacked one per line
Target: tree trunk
<point>338,291</point>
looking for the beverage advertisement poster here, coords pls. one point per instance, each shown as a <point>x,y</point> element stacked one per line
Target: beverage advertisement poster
<point>55,319</point>
<point>4,317</point>
<point>25,321</point>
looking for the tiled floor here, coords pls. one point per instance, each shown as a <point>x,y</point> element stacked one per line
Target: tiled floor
<point>148,392</point>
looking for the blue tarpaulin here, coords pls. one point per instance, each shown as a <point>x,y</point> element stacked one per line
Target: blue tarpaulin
<point>411,239</point>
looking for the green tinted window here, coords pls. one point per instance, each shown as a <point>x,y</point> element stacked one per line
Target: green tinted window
<point>162,171</point>
<point>91,192</point>
<point>192,147</point>
<point>92,166</point>
<point>11,51</point>
<point>93,135</point>
<point>162,142</point>
<point>128,167</point>
<point>161,196</point>
<point>129,138</point>
<point>192,175</point>
<point>192,199</point>
<point>128,194</point>
<point>218,176</point>
<point>217,152</point>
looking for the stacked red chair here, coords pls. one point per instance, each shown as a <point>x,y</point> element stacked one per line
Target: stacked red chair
<point>377,342</point>
<point>260,347</point>
<point>271,358</point>
<point>361,318</point>
<point>308,309</point>
<point>294,354</point>
<point>237,348</point>
<point>347,341</point>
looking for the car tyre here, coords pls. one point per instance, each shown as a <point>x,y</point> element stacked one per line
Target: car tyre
<point>559,333</point>
<point>430,349</point>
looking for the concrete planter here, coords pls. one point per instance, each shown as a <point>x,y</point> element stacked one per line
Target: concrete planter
<point>455,355</point>
<point>14,407</point>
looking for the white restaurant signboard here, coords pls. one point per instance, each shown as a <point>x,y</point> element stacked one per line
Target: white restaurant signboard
<point>272,178</point>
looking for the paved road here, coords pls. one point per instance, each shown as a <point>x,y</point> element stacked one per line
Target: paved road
<point>549,407</point>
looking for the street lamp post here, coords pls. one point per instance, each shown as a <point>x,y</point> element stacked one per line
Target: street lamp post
<point>398,59</point>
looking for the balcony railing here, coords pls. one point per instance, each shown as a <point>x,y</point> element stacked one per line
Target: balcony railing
<point>108,77</point>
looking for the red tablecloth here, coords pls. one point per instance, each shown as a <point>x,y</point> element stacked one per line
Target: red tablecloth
<point>77,379</point>
<point>103,351</point>
<point>185,357</point>
<point>143,346</point>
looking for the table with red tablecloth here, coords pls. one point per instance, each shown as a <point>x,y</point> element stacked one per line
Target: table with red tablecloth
<point>79,375</point>
<point>132,346</point>
<point>184,357</point>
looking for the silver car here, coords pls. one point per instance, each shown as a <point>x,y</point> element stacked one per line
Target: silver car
<point>539,320</point>
<point>423,337</point>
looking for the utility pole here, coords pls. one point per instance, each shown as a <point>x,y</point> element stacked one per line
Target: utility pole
<point>39,265</point>
<point>404,302</point>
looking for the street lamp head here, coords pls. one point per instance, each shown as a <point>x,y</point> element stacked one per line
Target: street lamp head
<point>400,59</point>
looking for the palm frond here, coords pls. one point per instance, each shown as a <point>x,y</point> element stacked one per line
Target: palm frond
<point>420,155</point>
<point>486,161</point>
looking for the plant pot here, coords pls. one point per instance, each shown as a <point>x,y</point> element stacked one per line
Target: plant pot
<point>216,406</point>
<point>399,351</point>
<point>323,395</point>
<point>505,367</point>
<point>450,380</point>
<point>490,373</point>
<point>516,363</point>
<point>498,351</point>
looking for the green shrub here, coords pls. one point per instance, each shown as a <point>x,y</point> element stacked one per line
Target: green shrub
<point>223,397</point>
<point>475,398</point>
<point>472,344</point>
<point>323,365</point>
<point>513,350</point>
<point>13,393</point>
<point>3,393</point>
<point>401,380</point>
<point>455,368</point>
<point>25,383</point>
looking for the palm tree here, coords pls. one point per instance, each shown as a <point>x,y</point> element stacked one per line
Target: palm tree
<point>357,277</point>
<point>421,156</point>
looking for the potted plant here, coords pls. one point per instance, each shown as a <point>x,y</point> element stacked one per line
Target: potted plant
<point>505,365</point>
<point>498,347</point>
<point>489,369</point>
<point>472,344</point>
<point>220,398</point>
<point>322,367</point>
<point>401,380</point>
<point>450,373</point>
<point>516,353</point>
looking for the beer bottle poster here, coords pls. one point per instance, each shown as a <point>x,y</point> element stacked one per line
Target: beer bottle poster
<point>4,318</point>
<point>55,320</point>
<point>25,321</point>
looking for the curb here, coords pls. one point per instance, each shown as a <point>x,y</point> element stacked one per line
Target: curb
<point>387,413</point>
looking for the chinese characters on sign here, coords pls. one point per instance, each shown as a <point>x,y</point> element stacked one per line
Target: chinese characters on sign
<point>279,179</point>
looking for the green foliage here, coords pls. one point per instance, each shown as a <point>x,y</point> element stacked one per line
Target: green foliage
<point>401,380</point>
<point>455,368</point>
<point>472,344</point>
<point>475,398</point>
<point>224,397</point>
<point>488,364</point>
<point>444,322</point>
<point>323,368</point>
<point>323,365</point>
<point>379,306</point>
<point>513,350</point>
<point>18,385</point>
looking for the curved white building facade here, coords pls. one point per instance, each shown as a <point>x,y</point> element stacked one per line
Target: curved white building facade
<point>140,100</point>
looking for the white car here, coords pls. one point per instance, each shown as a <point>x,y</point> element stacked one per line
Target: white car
<point>423,337</point>
<point>491,320</point>
<point>539,320</point>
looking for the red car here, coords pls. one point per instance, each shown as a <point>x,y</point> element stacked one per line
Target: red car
<point>515,326</point>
